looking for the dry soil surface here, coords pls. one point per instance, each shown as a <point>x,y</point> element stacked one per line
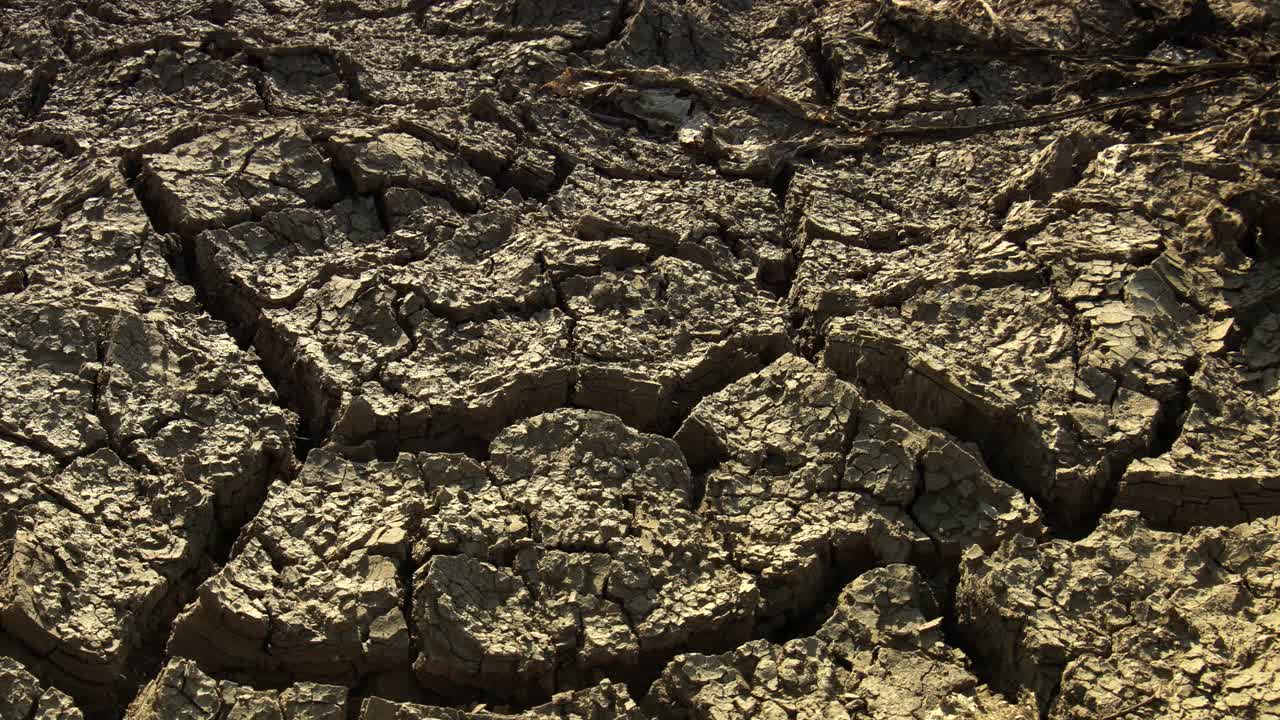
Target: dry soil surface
<point>644,359</point>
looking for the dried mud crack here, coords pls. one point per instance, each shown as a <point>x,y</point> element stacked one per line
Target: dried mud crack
<point>645,359</point>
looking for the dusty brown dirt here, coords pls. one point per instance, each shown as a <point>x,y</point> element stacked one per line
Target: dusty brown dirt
<point>645,359</point>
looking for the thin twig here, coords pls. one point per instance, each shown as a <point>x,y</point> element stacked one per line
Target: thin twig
<point>1044,118</point>
<point>1125,711</point>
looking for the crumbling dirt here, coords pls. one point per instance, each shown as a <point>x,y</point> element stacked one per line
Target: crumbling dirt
<point>644,359</point>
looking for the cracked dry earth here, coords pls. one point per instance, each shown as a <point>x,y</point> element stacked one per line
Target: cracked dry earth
<point>644,359</point>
